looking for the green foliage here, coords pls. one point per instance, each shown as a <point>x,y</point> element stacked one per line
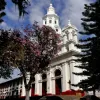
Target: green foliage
<point>89,58</point>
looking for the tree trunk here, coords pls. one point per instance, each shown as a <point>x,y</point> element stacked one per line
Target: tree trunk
<point>27,95</point>
<point>94,92</point>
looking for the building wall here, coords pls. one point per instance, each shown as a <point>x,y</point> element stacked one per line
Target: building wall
<point>17,87</point>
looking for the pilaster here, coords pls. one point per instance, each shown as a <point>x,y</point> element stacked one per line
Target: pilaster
<point>75,38</point>
<point>38,86</point>
<point>72,64</point>
<point>66,76</point>
<point>71,46</point>
<point>49,82</point>
<point>70,34</point>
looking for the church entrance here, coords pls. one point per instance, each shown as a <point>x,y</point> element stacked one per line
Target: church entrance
<point>33,90</point>
<point>58,85</point>
<point>44,84</point>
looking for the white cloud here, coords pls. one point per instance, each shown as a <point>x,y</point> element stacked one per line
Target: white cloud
<point>70,9</point>
<point>73,10</point>
<point>4,25</point>
<point>37,10</point>
<point>13,14</point>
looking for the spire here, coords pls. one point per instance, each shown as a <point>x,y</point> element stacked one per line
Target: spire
<point>51,10</point>
<point>69,23</point>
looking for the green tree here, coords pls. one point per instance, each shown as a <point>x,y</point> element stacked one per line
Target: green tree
<point>90,48</point>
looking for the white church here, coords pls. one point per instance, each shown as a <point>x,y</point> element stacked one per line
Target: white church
<point>58,78</point>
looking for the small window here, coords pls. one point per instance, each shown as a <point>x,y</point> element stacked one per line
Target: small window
<point>44,76</point>
<point>67,36</point>
<point>50,21</point>
<point>55,21</point>
<point>45,22</point>
<point>56,30</point>
<point>57,72</point>
<point>67,48</point>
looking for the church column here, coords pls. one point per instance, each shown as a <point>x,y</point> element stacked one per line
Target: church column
<point>71,46</point>
<point>66,76</point>
<point>72,64</point>
<point>70,36</point>
<point>38,87</point>
<point>53,80</point>
<point>49,82</point>
<point>64,43</point>
<point>75,38</point>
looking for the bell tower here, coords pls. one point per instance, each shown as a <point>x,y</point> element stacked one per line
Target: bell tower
<point>52,19</point>
<point>70,37</point>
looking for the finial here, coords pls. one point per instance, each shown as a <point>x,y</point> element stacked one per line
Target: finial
<point>51,9</point>
<point>50,4</point>
<point>69,23</point>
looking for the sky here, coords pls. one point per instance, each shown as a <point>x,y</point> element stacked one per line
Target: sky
<point>66,10</point>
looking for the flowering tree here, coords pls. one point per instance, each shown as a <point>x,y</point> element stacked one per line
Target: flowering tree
<point>38,47</point>
<point>30,53</point>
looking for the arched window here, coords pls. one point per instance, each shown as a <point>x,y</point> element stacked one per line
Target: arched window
<point>57,72</point>
<point>55,21</point>
<point>56,30</point>
<point>50,21</point>
<point>67,36</point>
<point>45,22</point>
<point>67,47</point>
<point>58,85</point>
<point>44,76</point>
<point>33,87</point>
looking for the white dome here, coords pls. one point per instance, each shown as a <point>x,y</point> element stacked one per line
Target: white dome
<point>51,10</point>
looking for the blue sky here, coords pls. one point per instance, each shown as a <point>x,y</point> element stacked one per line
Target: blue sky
<point>66,9</point>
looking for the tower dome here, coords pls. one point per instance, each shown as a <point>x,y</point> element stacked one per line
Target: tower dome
<point>51,10</point>
<point>52,19</point>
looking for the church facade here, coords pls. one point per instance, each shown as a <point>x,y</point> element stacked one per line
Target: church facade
<point>60,75</point>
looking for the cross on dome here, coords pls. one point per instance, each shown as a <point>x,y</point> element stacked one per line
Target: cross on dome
<point>51,10</point>
<point>69,23</point>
